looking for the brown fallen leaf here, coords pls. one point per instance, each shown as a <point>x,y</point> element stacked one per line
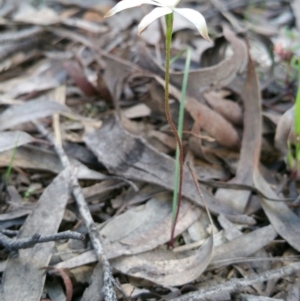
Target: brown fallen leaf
<point>162,267</point>
<point>148,229</point>
<point>27,13</point>
<point>102,6</point>
<point>43,77</point>
<point>137,111</point>
<point>28,111</point>
<point>227,14</point>
<point>15,213</point>
<point>212,122</point>
<point>67,282</point>
<point>115,76</point>
<point>14,139</point>
<point>25,271</point>
<point>217,76</point>
<point>225,107</point>
<point>55,289</point>
<point>251,143</point>
<point>77,74</point>
<point>168,272</point>
<point>85,25</point>
<point>285,222</point>
<point>103,89</point>
<point>133,158</point>
<point>242,246</point>
<point>37,158</point>
<point>94,291</point>
<point>20,34</point>
<point>230,230</point>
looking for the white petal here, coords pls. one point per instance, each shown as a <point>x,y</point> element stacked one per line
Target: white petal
<point>155,14</point>
<point>196,18</point>
<point>168,3</point>
<point>128,4</point>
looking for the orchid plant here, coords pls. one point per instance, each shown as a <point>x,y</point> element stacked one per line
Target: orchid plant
<point>167,8</point>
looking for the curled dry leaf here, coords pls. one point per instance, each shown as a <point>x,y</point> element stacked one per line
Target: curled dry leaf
<point>67,282</point>
<point>162,267</point>
<point>167,272</point>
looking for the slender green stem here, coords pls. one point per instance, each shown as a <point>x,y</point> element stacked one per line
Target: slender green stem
<point>169,27</point>
<point>297,123</point>
<point>180,127</point>
<point>11,161</point>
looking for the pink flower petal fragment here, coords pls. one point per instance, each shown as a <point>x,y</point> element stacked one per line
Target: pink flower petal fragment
<point>196,18</point>
<point>155,14</point>
<point>127,4</point>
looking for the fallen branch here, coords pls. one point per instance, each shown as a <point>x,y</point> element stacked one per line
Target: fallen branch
<point>24,243</point>
<point>108,280</point>
<point>237,284</point>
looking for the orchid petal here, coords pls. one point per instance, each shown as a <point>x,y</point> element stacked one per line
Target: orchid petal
<point>196,18</point>
<point>128,4</point>
<point>168,3</point>
<point>155,14</point>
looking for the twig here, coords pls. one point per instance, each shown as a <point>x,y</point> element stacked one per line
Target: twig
<point>108,280</point>
<point>10,233</point>
<point>237,284</point>
<point>14,245</point>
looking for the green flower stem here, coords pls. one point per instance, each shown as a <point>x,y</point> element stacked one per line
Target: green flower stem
<point>169,27</point>
<point>297,123</point>
<point>180,127</point>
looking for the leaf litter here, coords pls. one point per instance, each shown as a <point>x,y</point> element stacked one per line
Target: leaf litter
<point>239,114</point>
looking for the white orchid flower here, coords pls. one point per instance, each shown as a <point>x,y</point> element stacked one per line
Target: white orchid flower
<point>165,7</point>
